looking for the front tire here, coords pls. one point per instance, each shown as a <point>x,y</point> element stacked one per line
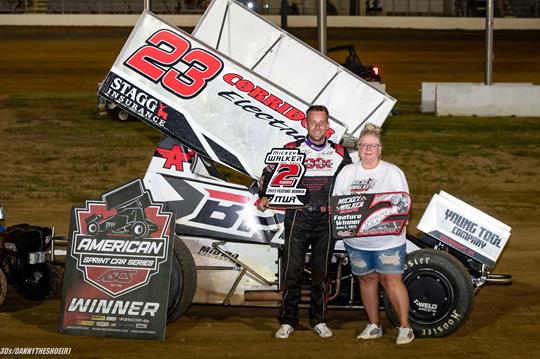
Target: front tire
<point>183,281</point>
<point>440,293</point>
<point>139,230</point>
<point>92,228</point>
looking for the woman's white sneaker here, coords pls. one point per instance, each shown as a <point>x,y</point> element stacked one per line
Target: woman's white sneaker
<point>372,331</point>
<point>405,336</point>
<point>284,331</point>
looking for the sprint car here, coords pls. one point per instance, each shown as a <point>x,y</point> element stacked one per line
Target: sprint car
<point>130,221</point>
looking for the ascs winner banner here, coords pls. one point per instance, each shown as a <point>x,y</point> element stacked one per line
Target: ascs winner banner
<point>118,266</point>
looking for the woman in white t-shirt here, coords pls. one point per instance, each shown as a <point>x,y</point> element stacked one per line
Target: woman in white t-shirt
<point>377,259</point>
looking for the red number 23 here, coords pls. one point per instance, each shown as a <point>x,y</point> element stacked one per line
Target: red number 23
<point>155,61</point>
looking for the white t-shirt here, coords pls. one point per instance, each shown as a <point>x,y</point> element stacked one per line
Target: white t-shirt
<point>386,177</point>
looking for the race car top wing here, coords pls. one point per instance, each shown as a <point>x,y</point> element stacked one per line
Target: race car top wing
<point>203,99</point>
<point>275,54</point>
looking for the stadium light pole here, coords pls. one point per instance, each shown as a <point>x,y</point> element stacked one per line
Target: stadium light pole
<point>489,43</point>
<point>321,25</point>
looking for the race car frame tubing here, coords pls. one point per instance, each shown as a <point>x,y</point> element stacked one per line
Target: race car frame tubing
<point>227,300</point>
<point>216,245</point>
<point>337,281</point>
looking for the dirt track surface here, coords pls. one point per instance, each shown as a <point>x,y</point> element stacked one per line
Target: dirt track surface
<point>504,321</point>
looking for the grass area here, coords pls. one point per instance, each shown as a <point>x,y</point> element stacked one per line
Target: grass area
<point>65,151</point>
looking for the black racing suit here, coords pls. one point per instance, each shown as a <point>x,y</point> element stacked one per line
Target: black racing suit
<point>309,227</point>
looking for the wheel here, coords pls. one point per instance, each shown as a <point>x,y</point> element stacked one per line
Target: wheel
<point>39,282</point>
<point>3,287</point>
<point>92,228</point>
<point>440,293</point>
<point>122,115</point>
<point>139,229</point>
<point>183,281</point>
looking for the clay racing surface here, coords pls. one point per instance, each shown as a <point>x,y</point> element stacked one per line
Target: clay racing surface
<point>56,152</point>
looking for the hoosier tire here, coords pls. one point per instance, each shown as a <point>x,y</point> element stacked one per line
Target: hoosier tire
<point>440,293</point>
<point>183,281</point>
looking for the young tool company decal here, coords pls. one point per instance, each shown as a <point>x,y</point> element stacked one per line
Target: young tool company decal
<point>120,242</point>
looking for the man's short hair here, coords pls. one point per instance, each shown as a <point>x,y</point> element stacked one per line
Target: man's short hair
<point>317,108</point>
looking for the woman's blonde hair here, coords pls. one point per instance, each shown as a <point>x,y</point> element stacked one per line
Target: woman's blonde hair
<point>371,129</point>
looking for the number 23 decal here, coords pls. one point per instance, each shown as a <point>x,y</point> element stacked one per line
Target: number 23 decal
<point>166,49</point>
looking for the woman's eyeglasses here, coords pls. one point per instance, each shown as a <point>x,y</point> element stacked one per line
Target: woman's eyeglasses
<point>365,146</point>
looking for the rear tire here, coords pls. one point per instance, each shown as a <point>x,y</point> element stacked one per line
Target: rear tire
<point>440,293</point>
<point>183,281</point>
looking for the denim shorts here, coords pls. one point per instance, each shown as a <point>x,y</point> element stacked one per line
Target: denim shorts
<point>386,261</point>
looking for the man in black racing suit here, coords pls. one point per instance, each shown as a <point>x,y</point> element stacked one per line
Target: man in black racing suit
<point>309,226</point>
